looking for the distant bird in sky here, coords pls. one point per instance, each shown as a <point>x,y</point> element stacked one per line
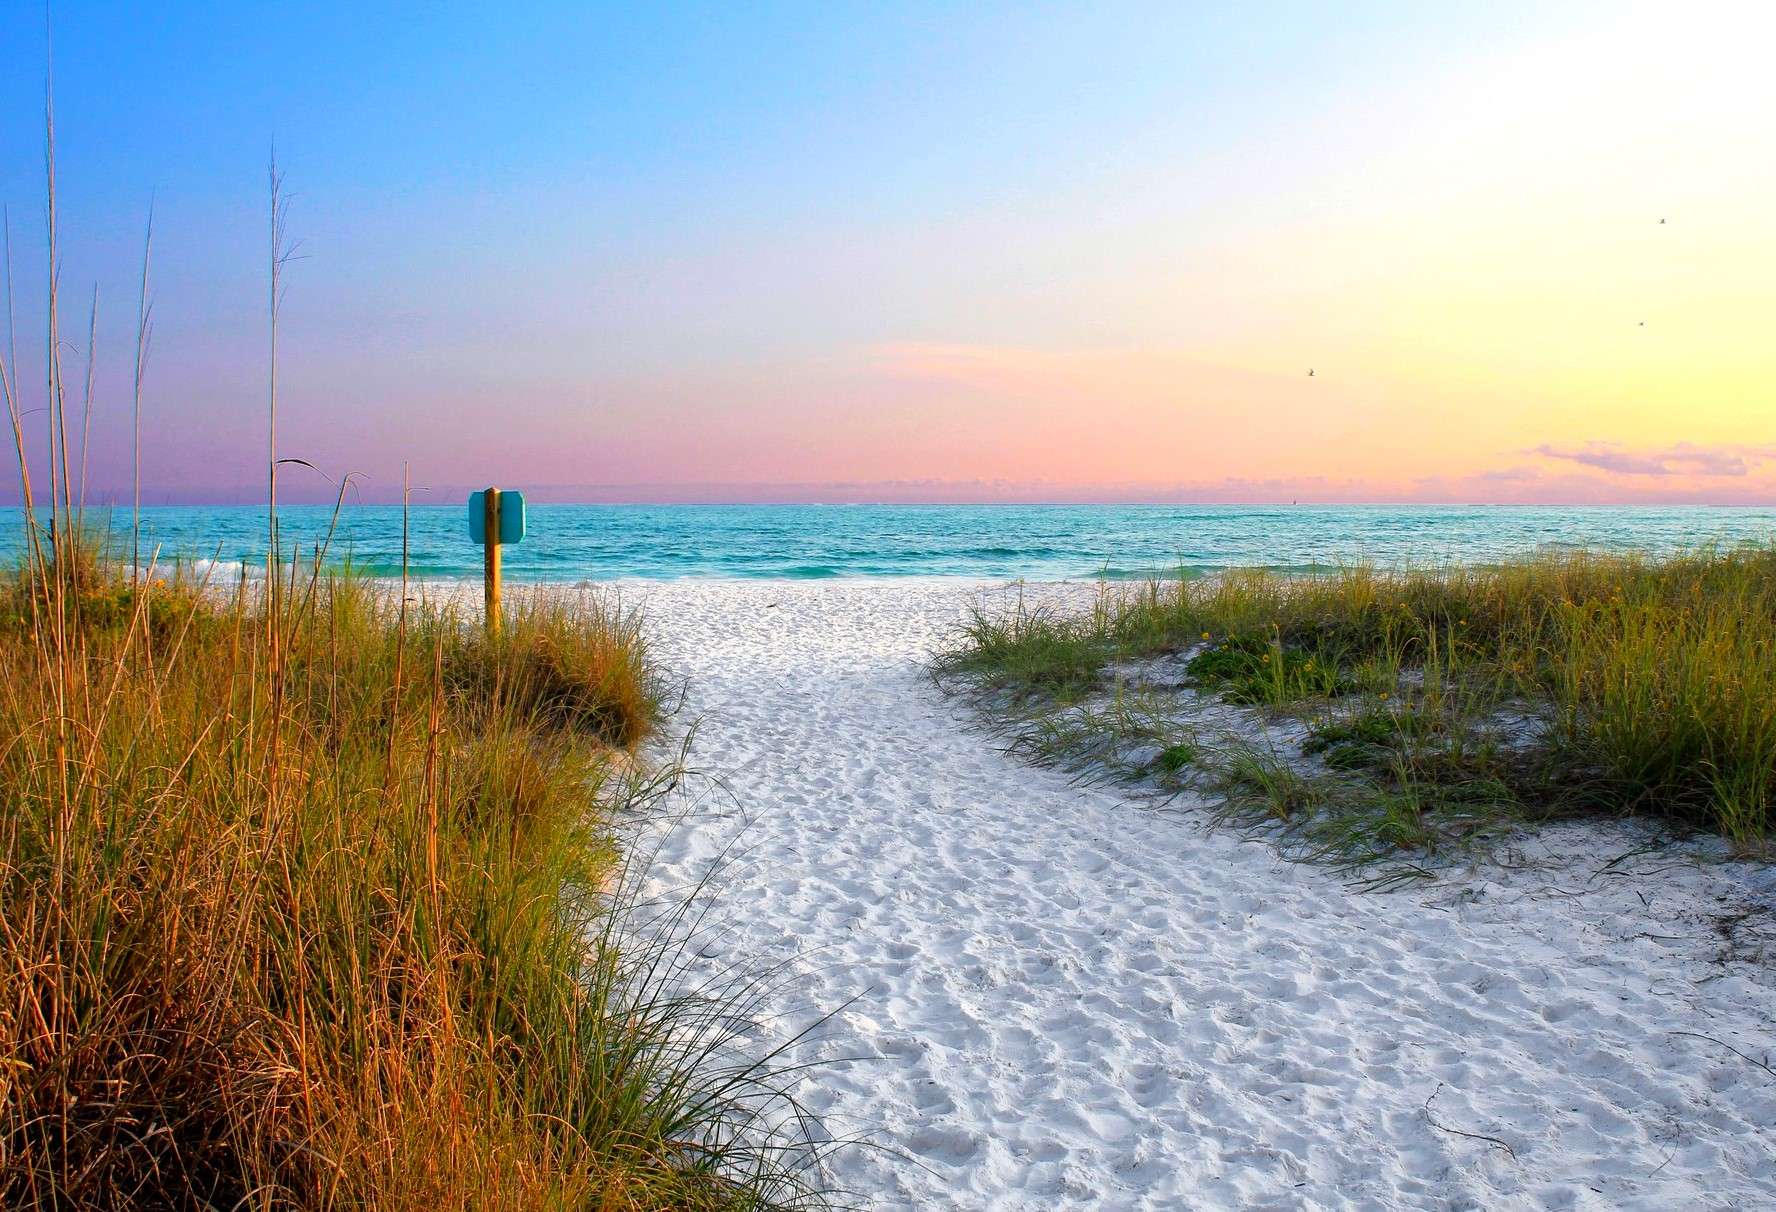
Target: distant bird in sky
<point>1643,323</point>
<point>1310,373</point>
<point>1661,220</point>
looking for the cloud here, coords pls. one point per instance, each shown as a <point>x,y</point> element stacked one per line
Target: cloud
<point>1682,459</point>
<point>1509,475</point>
<point>1584,486</point>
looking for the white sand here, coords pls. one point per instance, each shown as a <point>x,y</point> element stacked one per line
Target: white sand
<point>1067,998</point>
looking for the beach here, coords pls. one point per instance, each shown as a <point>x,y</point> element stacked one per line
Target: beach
<point>985,608</point>
<point>1023,993</point>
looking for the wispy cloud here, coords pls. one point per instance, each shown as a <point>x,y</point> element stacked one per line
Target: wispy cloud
<point>1682,459</point>
<point>1509,475</point>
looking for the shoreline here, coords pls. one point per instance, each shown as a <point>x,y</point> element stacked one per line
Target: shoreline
<point>1047,543</point>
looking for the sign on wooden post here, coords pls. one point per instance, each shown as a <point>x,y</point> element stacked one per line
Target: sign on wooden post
<point>495,518</point>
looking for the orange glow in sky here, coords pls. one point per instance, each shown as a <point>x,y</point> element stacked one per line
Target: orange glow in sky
<point>1528,253</point>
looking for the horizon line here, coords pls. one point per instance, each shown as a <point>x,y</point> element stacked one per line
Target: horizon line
<point>454,496</point>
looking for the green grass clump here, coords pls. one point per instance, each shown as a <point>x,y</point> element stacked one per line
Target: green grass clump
<point>1031,651</point>
<point>1248,669</point>
<point>1375,727</point>
<point>1372,738</point>
<point>311,902</point>
<point>1129,737</point>
<point>1271,784</point>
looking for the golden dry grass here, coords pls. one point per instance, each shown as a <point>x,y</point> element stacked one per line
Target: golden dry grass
<point>328,931</point>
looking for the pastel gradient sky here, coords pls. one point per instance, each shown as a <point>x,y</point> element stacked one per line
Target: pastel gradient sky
<point>911,252</point>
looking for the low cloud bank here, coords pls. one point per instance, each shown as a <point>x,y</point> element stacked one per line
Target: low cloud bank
<point>1682,459</point>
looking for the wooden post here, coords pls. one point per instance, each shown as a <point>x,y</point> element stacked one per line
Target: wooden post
<point>491,550</point>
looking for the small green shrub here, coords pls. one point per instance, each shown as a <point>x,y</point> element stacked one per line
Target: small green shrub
<point>1246,669</point>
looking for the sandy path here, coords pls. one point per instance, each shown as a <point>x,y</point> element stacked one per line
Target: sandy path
<point>1069,999</point>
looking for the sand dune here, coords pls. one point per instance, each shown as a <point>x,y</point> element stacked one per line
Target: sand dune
<point>1065,998</point>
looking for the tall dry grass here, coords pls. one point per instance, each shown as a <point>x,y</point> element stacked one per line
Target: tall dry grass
<point>348,945</point>
<point>308,897</point>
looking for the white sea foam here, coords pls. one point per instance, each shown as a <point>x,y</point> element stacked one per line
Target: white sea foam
<point>1064,998</point>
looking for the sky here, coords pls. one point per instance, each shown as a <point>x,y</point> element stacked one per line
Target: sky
<point>913,252</point>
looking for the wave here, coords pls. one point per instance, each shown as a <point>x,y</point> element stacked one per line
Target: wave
<point>1116,543</point>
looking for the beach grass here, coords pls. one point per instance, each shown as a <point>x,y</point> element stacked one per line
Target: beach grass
<point>1438,703</point>
<point>322,909</point>
<point>310,891</point>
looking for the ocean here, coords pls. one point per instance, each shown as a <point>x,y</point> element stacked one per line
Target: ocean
<point>1036,542</point>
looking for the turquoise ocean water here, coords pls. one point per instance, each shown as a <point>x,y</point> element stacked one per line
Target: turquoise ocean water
<point>1038,542</point>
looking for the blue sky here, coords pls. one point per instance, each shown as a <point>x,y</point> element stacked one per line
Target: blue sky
<point>752,245</point>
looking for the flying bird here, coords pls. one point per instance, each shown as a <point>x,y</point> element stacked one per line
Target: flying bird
<point>1310,373</point>
<point>1661,220</point>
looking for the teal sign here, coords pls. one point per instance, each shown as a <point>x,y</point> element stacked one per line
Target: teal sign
<point>511,516</point>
